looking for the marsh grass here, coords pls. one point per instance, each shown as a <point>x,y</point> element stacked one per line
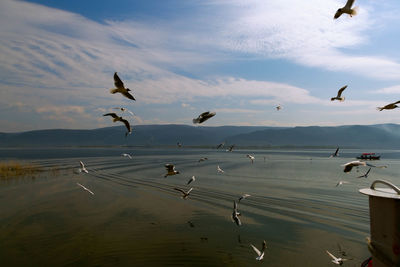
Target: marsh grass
<point>12,169</point>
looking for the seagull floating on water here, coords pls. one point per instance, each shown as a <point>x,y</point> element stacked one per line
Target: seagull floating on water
<point>339,94</point>
<point>244,196</point>
<point>125,110</point>
<point>204,116</point>
<point>346,9</point>
<point>85,188</point>
<point>260,253</point>
<point>365,175</point>
<point>251,158</point>
<point>82,168</point>
<point>338,261</point>
<point>120,88</point>
<point>219,169</point>
<point>389,106</point>
<point>126,155</point>
<point>336,153</point>
<point>191,179</point>
<point>118,118</point>
<point>170,170</point>
<point>184,194</point>
<point>236,214</point>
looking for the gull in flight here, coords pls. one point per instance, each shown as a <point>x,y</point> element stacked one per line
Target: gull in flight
<point>170,170</point>
<point>120,88</point>
<point>184,194</point>
<point>389,106</point>
<point>244,196</point>
<point>278,107</point>
<point>82,168</point>
<point>365,175</point>
<point>203,159</point>
<point>260,253</point>
<point>219,169</point>
<point>346,9</point>
<point>191,179</point>
<point>341,251</point>
<point>339,94</point>
<point>336,153</point>
<point>338,261</point>
<point>251,158</point>
<point>203,117</point>
<point>221,145</point>
<point>349,165</point>
<point>179,144</point>
<point>125,110</point>
<point>236,214</point>
<point>126,155</point>
<point>85,188</point>
<point>118,118</point>
<point>341,182</point>
<point>230,149</point>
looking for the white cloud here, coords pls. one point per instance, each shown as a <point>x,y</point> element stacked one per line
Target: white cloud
<point>388,90</point>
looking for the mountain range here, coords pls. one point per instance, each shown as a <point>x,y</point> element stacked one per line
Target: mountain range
<point>354,136</point>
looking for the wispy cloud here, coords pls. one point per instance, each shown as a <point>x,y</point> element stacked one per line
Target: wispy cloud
<point>388,90</point>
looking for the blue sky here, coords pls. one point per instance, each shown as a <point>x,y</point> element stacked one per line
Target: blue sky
<point>235,57</point>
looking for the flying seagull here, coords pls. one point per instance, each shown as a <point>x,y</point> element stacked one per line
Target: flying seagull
<point>191,179</point>
<point>349,165</point>
<point>278,107</point>
<point>339,94</point>
<point>179,144</point>
<point>236,214</point>
<point>118,118</point>
<point>338,261</point>
<point>82,168</point>
<point>184,194</point>
<point>346,9</point>
<point>244,196</point>
<point>389,106</point>
<point>336,153</point>
<point>251,158</point>
<point>219,169</point>
<point>365,175</point>
<point>341,182</point>
<point>125,110</point>
<point>203,159</point>
<point>85,188</point>
<point>230,149</point>
<point>120,88</point>
<point>260,253</point>
<point>221,145</point>
<point>203,117</point>
<point>170,170</point>
<point>126,155</point>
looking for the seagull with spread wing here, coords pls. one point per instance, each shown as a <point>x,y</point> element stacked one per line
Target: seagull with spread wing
<point>244,196</point>
<point>170,170</point>
<point>260,253</point>
<point>251,157</point>
<point>85,188</point>
<point>82,168</point>
<point>120,88</point>
<point>365,175</point>
<point>203,117</point>
<point>339,94</point>
<point>335,260</point>
<point>126,155</point>
<point>236,214</point>
<point>346,9</point>
<point>184,194</point>
<point>336,153</point>
<point>118,118</point>
<point>389,106</point>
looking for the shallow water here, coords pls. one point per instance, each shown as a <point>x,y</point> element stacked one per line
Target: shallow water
<point>136,218</point>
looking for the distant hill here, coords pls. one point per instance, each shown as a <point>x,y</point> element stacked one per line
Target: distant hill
<point>357,136</point>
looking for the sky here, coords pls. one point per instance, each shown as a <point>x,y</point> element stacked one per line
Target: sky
<point>238,58</point>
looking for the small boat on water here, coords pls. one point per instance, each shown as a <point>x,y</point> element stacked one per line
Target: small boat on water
<point>369,156</point>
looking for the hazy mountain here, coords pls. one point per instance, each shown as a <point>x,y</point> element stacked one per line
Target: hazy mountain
<point>365,136</point>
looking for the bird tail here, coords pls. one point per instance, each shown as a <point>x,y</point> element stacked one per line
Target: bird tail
<point>332,99</point>
<point>195,121</point>
<point>342,99</point>
<point>379,108</point>
<point>113,91</point>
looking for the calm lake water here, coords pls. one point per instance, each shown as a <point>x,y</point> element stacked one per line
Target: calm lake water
<point>136,218</point>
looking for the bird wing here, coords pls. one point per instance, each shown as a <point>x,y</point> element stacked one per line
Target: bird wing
<point>396,102</point>
<point>169,167</point>
<point>264,246</point>
<point>114,115</point>
<point>330,254</point>
<point>128,126</point>
<point>117,82</point>
<point>339,93</point>
<point>234,205</point>
<point>87,189</point>
<point>338,13</point>
<point>82,165</point>
<point>190,190</point>
<point>337,151</point>
<point>348,168</point>
<point>368,172</point>
<point>128,95</point>
<point>180,190</point>
<point>349,3</point>
<point>204,114</point>
<point>256,250</point>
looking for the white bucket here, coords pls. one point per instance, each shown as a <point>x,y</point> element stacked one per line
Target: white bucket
<point>384,212</point>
